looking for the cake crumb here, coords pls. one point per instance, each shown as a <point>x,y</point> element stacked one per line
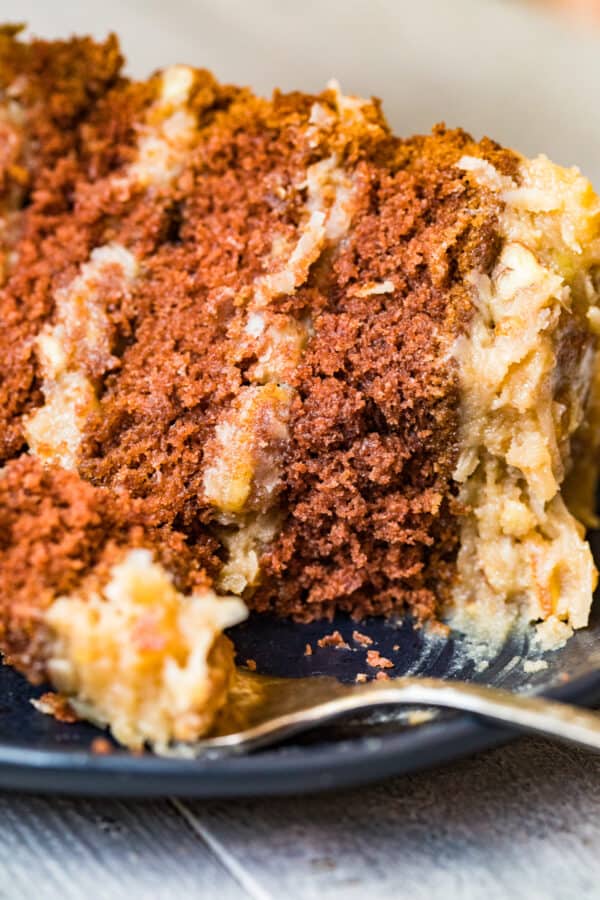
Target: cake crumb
<point>53,704</point>
<point>396,647</point>
<point>363,639</point>
<point>361,677</point>
<point>334,639</point>
<point>308,650</point>
<point>377,661</point>
<point>439,629</point>
<point>534,665</point>
<point>100,746</point>
<point>251,664</point>
<point>382,676</point>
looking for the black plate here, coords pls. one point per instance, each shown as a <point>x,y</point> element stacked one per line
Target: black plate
<point>40,754</point>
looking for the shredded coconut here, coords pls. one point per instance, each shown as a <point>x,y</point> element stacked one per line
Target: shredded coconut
<point>141,657</point>
<point>73,352</point>
<point>521,410</point>
<point>168,132</point>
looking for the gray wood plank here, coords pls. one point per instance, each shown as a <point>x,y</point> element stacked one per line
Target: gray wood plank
<point>54,848</point>
<point>521,822</point>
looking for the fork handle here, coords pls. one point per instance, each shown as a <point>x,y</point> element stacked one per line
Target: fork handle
<point>525,712</point>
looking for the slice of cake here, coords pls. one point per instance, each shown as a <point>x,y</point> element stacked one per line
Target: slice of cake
<point>264,349</point>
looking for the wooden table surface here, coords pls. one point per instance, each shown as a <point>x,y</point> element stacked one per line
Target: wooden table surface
<point>522,821</point>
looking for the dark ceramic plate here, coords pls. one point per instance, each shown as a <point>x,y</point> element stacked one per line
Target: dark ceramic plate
<point>40,754</point>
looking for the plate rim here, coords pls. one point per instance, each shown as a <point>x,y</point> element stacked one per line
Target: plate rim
<point>340,764</point>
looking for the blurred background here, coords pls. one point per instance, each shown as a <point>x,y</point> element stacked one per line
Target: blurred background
<point>526,72</point>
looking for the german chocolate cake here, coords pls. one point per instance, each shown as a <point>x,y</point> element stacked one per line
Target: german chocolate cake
<point>263,353</point>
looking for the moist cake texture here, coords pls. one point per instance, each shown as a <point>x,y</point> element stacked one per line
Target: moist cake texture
<point>265,351</point>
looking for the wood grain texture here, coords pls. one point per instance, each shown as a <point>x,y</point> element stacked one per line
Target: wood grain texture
<point>59,849</point>
<point>519,822</point>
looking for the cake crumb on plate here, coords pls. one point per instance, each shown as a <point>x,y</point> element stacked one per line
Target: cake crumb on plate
<point>53,704</point>
<point>363,639</point>
<point>334,639</point>
<point>101,746</point>
<point>377,661</point>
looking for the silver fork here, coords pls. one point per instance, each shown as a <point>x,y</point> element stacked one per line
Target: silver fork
<point>264,710</point>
